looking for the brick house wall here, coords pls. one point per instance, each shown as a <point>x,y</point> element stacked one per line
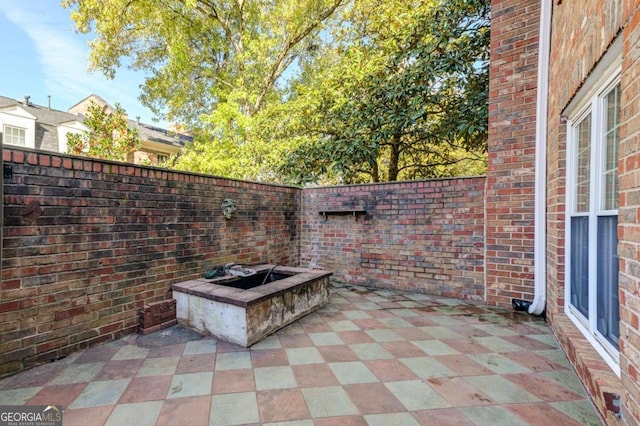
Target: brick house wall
<point>87,243</point>
<point>420,236</point>
<point>511,173</point>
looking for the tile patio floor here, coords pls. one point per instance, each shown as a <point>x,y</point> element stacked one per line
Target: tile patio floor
<point>373,357</point>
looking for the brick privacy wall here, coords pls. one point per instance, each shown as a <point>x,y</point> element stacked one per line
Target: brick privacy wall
<point>87,243</point>
<point>511,174</point>
<point>629,212</point>
<point>419,236</point>
<point>577,45</point>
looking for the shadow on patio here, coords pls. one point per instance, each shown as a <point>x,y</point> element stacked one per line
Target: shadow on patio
<point>370,356</point>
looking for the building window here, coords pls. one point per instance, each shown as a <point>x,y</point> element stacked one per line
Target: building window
<point>592,218</point>
<point>15,136</point>
<point>162,159</point>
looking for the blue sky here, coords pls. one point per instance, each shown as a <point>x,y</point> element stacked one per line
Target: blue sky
<point>43,55</point>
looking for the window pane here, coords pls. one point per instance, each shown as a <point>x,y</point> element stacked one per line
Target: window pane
<point>612,138</point>
<point>583,164</point>
<point>580,264</point>
<point>608,301</point>
<point>14,136</point>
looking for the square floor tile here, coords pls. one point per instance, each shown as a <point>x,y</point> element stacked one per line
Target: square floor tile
<point>353,315</point>
<point>368,351</point>
<point>57,395</point>
<point>389,370</point>
<point>273,341</point>
<point>416,395</point>
<point>501,390</point>
<point>233,360</point>
<point>498,363</point>
<point>395,322</point>
<point>282,405</point>
<point>87,416</point>
<point>234,409</point>
<point>345,325</point>
<point>353,372</point>
<point>440,332</point>
<point>274,378</point>
<point>122,369</point>
<point>78,373</point>
<point>18,396</point>
<point>295,341</point>
<point>339,353</point>
<point>192,411</point>
<point>130,352</point>
<point>300,356</point>
<point>169,350</point>
<point>371,398</point>
<point>232,381</point>
<point>198,347</point>
<point>495,329</point>
<point>542,414</point>
<point>527,343</point>
<point>582,411</point>
<point>328,402</point>
<point>139,413</point>
<point>435,347</point>
<point>402,349</point>
<point>543,387</point>
<point>190,384</point>
<point>151,388</point>
<point>426,367</point>
<point>442,417</point>
<point>556,356</point>
<point>568,379</point>
<point>314,375</point>
<point>492,416</point>
<point>462,365</point>
<point>459,392</point>
<point>325,339</point>
<point>340,420</point>
<point>404,419</point>
<point>158,366</point>
<point>196,363</point>
<point>496,344</point>
<point>268,358</point>
<point>384,335</point>
<point>106,392</point>
<point>350,337</point>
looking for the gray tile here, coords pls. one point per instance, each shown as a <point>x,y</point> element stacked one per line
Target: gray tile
<point>416,395</point>
<point>446,320</point>
<point>582,411</point>
<point>384,335</point>
<point>190,384</point>
<point>271,342</point>
<point>370,351</point>
<point>234,409</point>
<point>158,366</point>
<point>567,379</point>
<point>501,390</point>
<point>496,344</point>
<point>274,378</point>
<point>495,329</point>
<point>130,352</point>
<point>435,347</point>
<point>395,322</point>
<point>345,325</point>
<point>328,402</point>
<point>199,347</point>
<point>427,367</point>
<point>367,306</point>
<point>353,315</point>
<point>555,355</point>
<point>547,339</point>
<point>17,396</point>
<point>440,332</point>
<point>492,416</point>
<point>325,339</point>
<point>404,419</point>
<point>349,373</point>
<point>499,364</point>
<point>300,356</point>
<point>233,360</point>
<point>105,392</point>
<point>139,414</point>
<point>78,373</point>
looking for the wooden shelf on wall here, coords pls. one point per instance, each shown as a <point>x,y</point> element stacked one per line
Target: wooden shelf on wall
<point>354,213</point>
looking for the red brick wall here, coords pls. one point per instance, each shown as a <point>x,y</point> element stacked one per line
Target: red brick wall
<point>88,243</point>
<point>629,212</point>
<point>511,174</point>
<point>420,236</point>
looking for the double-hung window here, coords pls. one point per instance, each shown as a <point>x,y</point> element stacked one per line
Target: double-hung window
<point>15,136</point>
<point>592,218</point>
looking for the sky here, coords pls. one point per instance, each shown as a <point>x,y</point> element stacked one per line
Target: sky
<point>43,55</point>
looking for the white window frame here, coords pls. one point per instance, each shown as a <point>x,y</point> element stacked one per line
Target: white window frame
<point>592,102</point>
<point>6,137</point>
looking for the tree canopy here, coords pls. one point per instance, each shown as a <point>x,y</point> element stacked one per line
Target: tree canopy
<point>308,90</point>
<point>108,137</point>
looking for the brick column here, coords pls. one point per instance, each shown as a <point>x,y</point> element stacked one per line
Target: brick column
<point>511,174</point>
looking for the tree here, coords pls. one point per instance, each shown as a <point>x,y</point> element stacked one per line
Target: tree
<point>407,99</point>
<point>108,137</point>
